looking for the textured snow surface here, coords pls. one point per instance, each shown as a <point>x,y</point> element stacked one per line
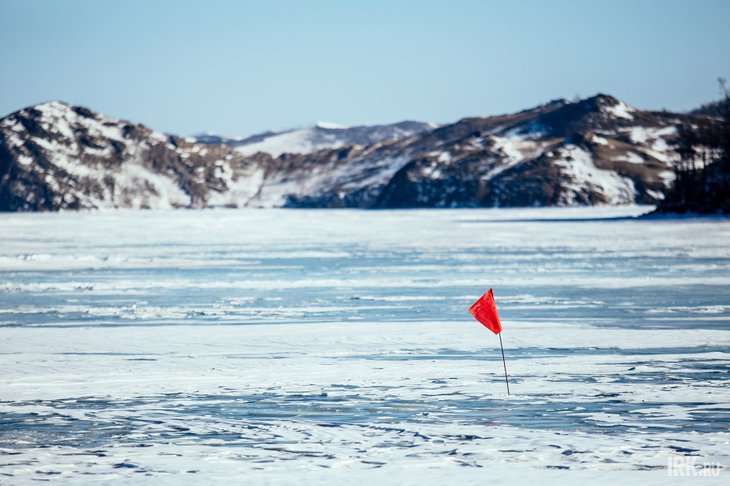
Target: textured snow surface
<point>300,347</point>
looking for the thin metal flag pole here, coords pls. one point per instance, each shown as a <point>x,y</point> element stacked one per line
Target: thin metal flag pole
<point>503,362</point>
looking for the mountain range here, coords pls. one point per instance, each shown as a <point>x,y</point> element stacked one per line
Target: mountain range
<point>318,137</point>
<point>599,150</point>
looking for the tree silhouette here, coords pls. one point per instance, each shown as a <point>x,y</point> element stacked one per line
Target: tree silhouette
<point>702,184</point>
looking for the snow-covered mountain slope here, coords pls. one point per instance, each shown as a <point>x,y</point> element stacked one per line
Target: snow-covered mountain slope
<point>594,151</point>
<point>56,156</point>
<point>321,136</point>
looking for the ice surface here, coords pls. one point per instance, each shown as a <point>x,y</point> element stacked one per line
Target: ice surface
<point>302,346</point>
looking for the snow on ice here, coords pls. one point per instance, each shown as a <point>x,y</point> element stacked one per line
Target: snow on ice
<point>302,346</point>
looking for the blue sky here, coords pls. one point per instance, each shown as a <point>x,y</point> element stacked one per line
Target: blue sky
<point>240,67</point>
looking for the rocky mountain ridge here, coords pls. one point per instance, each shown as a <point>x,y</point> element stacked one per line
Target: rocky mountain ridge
<point>599,150</point>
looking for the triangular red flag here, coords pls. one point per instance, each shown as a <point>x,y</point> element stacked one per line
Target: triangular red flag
<point>484,310</point>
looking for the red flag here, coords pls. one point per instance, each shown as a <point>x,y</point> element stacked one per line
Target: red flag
<point>484,310</point>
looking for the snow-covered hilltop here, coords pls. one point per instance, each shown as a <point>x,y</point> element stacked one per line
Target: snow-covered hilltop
<point>321,136</point>
<point>593,151</point>
<point>56,156</point>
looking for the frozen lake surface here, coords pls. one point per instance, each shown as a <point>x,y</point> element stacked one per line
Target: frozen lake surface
<point>335,346</point>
